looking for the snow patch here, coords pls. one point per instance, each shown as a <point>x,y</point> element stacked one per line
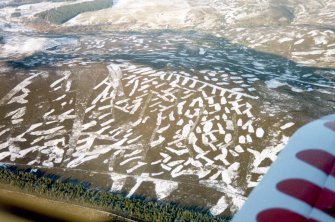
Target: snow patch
<point>23,45</point>
<point>286,126</point>
<point>273,84</point>
<point>164,188</point>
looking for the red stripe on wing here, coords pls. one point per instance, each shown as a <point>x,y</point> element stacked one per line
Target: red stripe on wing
<point>320,159</point>
<point>300,189</point>
<point>330,125</point>
<point>313,195</point>
<point>326,202</point>
<point>281,215</point>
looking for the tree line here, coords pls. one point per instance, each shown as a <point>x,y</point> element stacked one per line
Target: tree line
<point>64,13</point>
<point>17,3</point>
<point>137,208</point>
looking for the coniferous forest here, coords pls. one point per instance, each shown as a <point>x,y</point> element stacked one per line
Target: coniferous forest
<point>136,208</point>
<point>64,13</point>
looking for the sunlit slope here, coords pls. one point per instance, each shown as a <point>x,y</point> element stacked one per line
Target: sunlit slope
<point>300,30</point>
<point>134,14</point>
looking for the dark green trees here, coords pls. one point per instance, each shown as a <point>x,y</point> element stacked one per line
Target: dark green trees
<point>64,13</point>
<point>137,208</point>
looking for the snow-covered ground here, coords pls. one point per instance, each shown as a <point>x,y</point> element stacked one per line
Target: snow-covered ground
<point>213,117</point>
<point>302,31</point>
<point>154,14</point>
<point>202,113</point>
<point>18,46</point>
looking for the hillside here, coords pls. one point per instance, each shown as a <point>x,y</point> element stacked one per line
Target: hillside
<point>300,30</point>
<point>144,14</point>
